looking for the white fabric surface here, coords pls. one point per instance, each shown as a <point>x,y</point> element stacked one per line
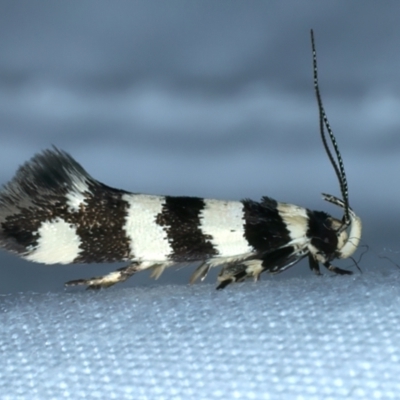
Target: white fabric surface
<point>327,337</point>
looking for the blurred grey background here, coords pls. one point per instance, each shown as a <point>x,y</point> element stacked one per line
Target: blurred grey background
<point>205,98</point>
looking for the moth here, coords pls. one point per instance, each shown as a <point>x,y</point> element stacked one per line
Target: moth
<point>54,212</point>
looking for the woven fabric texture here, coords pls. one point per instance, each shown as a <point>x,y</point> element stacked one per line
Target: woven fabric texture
<point>327,337</point>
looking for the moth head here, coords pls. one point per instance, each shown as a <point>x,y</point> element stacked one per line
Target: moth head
<point>348,231</point>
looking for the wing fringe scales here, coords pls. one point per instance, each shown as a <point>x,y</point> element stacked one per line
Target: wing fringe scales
<point>50,173</point>
<point>39,186</point>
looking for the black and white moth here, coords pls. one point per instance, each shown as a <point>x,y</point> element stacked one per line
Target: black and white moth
<point>53,211</point>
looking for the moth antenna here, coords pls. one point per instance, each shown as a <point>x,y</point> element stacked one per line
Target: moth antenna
<point>390,260</point>
<point>360,257</point>
<point>323,122</point>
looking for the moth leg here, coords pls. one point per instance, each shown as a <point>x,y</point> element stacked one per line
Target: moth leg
<point>238,272</point>
<point>337,270</point>
<point>200,272</point>
<point>314,265</point>
<point>280,259</point>
<point>225,283</point>
<point>231,273</point>
<point>158,269</point>
<point>105,281</point>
